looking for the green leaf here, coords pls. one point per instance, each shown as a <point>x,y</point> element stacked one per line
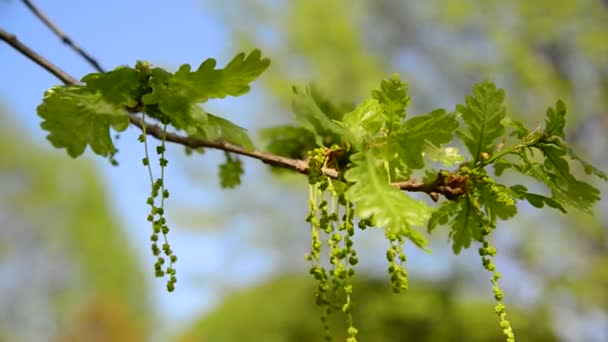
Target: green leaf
<point>536,200</point>
<point>442,215</point>
<point>416,133</point>
<point>177,93</point>
<point>334,111</point>
<point>448,156</point>
<point>589,169</point>
<point>288,141</point>
<point>375,198</point>
<point>539,201</point>
<point>173,103</point>
<point>483,113</point>
<point>500,165</point>
<point>466,226</point>
<point>556,120</point>
<point>309,114</point>
<point>555,173</point>
<point>230,172</point>
<point>76,117</point>
<point>118,86</point>
<point>220,129</point>
<point>394,99</point>
<point>520,130</point>
<point>364,122</point>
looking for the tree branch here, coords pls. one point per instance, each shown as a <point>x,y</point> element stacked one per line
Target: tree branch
<point>64,38</point>
<point>12,40</point>
<point>442,185</point>
<point>156,131</point>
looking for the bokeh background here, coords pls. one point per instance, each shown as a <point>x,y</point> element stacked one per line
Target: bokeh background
<point>75,263</point>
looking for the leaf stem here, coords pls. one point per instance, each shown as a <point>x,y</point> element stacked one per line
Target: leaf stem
<point>145,141</point>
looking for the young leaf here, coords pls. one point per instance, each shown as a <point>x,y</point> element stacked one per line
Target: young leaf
<point>564,187</point>
<point>375,198</point>
<point>556,120</point>
<point>501,165</point>
<point>483,113</point>
<point>334,111</point>
<point>118,86</point>
<point>536,200</point>
<point>176,93</point>
<point>221,129</point>
<point>286,140</point>
<point>589,169</point>
<point>308,114</point>
<point>413,136</point>
<point>364,122</point>
<point>230,172</point>
<point>442,215</point>
<point>448,156</point>
<point>393,97</point>
<point>466,225</point>
<point>519,129</point>
<point>75,117</point>
<point>165,99</point>
<point>539,201</point>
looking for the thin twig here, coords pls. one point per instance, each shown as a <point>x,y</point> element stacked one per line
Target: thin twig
<point>156,131</point>
<point>64,38</point>
<point>12,40</point>
<point>301,166</point>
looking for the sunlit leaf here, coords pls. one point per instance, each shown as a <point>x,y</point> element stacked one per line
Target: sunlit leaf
<point>375,198</point>
<point>483,113</point>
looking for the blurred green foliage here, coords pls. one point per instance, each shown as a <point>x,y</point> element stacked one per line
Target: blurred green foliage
<point>283,309</point>
<point>537,51</point>
<point>72,265</point>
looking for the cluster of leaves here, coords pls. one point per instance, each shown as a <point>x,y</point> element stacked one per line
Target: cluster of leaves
<point>77,116</point>
<point>485,116</point>
<point>379,146</point>
<point>372,147</point>
<point>231,171</point>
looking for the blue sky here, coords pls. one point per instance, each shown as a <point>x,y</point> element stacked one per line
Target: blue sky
<point>118,33</point>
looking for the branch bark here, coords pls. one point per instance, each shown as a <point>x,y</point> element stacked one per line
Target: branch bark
<point>440,186</point>
<point>64,38</point>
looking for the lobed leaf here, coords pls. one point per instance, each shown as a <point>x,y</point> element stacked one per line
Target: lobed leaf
<point>364,123</point>
<point>556,120</point>
<point>119,86</point>
<point>466,226</point>
<point>566,190</point>
<point>589,169</point>
<point>287,140</point>
<point>376,199</point>
<point>415,134</point>
<point>176,93</point>
<point>483,113</point>
<point>442,215</point>
<point>308,113</point>
<point>76,117</point>
<point>536,200</point>
<point>393,97</point>
<point>220,129</point>
<point>230,172</point>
